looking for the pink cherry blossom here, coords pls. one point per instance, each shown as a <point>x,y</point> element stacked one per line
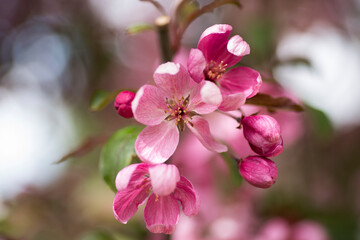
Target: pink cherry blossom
<point>175,102</point>
<point>164,188</point>
<point>211,60</point>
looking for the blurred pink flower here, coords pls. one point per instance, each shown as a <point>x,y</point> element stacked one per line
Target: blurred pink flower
<point>214,55</point>
<point>280,229</point>
<point>309,230</point>
<point>274,229</point>
<point>164,185</point>
<point>258,171</point>
<point>123,102</point>
<point>227,220</point>
<point>166,109</point>
<point>263,134</point>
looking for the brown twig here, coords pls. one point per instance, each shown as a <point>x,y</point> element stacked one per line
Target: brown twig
<point>162,25</point>
<point>88,145</point>
<point>157,5</point>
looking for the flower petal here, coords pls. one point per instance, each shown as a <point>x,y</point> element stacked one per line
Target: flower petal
<point>155,144</point>
<point>238,47</point>
<point>235,49</point>
<point>241,80</point>
<point>186,194</point>
<point>148,105</point>
<point>210,94</point>
<point>173,78</point>
<point>164,178</point>
<point>127,201</point>
<point>200,127</point>
<point>232,101</point>
<point>206,98</point>
<point>196,65</point>
<point>211,40</point>
<point>132,178</point>
<point>124,175</point>
<point>161,214</point>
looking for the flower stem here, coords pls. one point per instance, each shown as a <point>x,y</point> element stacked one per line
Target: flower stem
<point>238,119</point>
<point>162,25</point>
<point>233,169</point>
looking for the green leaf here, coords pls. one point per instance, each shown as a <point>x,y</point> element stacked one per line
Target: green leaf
<point>118,153</point>
<point>272,103</point>
<point>295,61</point>
<point>104,235</point>
<point>139,28</point>
<point>101,99</point>
<point>97,235</point>
<point>322,124</point>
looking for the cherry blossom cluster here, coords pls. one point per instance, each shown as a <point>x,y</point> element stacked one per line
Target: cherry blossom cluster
<point>180,99</point>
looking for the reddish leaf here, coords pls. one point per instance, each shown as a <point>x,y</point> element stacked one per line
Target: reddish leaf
<point>272,103</point>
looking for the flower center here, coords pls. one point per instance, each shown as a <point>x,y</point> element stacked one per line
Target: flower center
<point>214,71</point>
<point>178,111</point>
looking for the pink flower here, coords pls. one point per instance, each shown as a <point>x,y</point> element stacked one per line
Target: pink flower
<point>309,230</point>
<point>263,134</point>
<point>280,229</point>
<point>170,106</point>
<point>214,55</point>
<point>258,171</point>
<point>123,102</point>
<point>163,186</point>
<point>275,229</point>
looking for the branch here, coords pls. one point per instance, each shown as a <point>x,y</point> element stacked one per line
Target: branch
<point>157,5</point>
<point>191,17</point>
<point>162,26</point>
<point>85,147</point>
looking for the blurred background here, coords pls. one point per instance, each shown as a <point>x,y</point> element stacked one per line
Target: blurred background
<point>54,54</point>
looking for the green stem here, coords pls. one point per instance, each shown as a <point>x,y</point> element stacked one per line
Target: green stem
<point>162,25</point>
<point>233,168</point>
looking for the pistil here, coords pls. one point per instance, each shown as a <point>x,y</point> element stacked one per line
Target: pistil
<point>177,109</point>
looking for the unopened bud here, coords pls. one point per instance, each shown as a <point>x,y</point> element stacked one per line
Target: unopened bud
<point>263,135</point>
<point>122,103</point>
<point>258,171</point>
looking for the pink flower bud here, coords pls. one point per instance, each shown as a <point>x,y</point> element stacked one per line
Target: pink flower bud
<point>258,171</point>
<point>263,135</point>
<point>122,103</point>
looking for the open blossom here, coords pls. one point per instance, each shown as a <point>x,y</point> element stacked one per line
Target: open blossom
<point>258,171</point>
<point>175,102</point>
<point>210,61</point>
<point>163,186</point>
<point>263,134</point>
